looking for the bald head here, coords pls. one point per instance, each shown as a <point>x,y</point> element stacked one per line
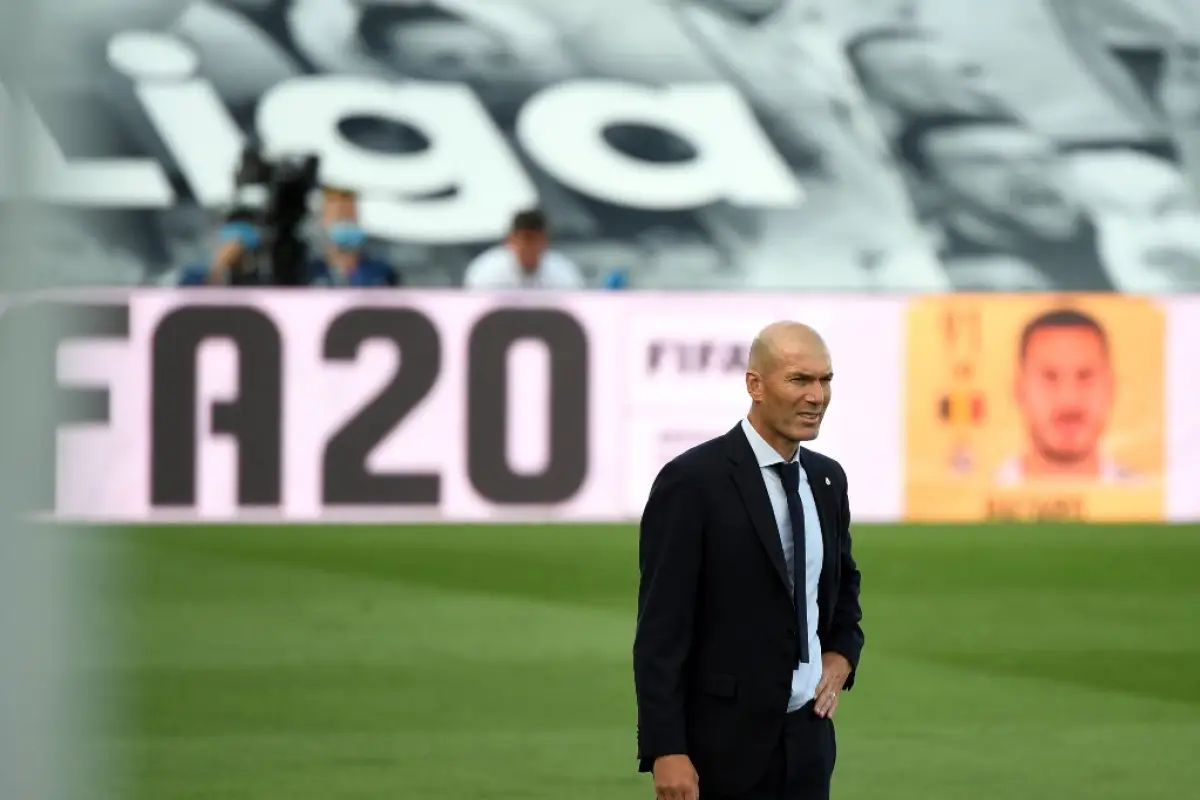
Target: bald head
<point>781,337</point>
<point>789,379</point>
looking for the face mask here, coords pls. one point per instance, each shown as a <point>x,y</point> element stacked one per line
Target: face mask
<point>242,232</point>
<point>347,235</point>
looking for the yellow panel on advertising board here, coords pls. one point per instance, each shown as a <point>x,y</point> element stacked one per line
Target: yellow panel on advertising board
<point>1035,407</point>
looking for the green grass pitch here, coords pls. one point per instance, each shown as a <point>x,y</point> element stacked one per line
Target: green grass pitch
<point>473,662</point>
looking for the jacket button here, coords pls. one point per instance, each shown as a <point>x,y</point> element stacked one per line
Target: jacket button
<point>791,631</point>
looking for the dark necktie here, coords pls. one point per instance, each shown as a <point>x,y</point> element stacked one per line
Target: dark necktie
<point>790,473</point>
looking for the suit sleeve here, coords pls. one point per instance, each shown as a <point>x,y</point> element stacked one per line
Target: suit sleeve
<point>670,547</point>
<point>845,630</point>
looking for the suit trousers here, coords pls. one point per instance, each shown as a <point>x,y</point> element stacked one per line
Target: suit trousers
<point>801,768</point>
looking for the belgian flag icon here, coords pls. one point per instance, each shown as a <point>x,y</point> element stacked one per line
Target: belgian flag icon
<point>962,408</point>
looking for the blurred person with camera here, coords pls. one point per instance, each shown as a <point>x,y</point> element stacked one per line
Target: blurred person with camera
<point>265,237</point>
<point>261,241</point>
<point>343,260</point>
<point>239,259</point>
<point>524,260</point>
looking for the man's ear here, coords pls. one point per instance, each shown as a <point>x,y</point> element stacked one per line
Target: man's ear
<point>754,385</point>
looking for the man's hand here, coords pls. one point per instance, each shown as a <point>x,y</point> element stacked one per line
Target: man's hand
<point>835,669</point>
<point>675,778</point>
<point>227,257</point>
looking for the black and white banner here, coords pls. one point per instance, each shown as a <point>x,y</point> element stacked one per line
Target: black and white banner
<point>911,145</point>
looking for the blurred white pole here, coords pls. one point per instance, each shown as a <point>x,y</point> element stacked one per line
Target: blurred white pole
<point>46,708</point>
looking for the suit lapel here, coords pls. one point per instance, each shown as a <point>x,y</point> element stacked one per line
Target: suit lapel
<point>748,478</point>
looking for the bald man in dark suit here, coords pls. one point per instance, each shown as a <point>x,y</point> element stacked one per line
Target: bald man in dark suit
<point>748,613</point>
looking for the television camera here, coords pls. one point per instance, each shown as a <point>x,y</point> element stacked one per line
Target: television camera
<point>273,196</point>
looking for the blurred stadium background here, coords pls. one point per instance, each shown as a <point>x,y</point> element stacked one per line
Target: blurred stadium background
<point>962,167</point>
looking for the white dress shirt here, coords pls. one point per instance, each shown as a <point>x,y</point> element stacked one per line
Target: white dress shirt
<point>497,268</point>
<point>806,678</point>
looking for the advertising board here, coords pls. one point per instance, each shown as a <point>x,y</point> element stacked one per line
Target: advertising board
<point>319,406</point>
<point>1033,406</point>
<point>685,383</point>
<point>602,111</point>
<point>305,406</point>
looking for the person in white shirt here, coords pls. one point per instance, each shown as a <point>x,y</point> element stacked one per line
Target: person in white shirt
<point>524,260</point>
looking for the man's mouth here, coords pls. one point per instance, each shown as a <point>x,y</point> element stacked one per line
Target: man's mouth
<point>810,416</point>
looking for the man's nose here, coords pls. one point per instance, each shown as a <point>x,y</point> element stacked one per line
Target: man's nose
<point>1071,395</point>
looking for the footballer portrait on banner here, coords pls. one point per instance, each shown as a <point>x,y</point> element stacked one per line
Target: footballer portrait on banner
<point>1035,407</point>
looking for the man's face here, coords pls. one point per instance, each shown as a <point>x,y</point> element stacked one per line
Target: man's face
<point>528,247</point>
<point>338,207</point>
<point>1065,392</point>
<point>793,393</point>
<point>1006,171</point>
<point>920,75</point>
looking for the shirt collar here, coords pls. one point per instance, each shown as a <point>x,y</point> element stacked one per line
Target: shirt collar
<point>763,452</point>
